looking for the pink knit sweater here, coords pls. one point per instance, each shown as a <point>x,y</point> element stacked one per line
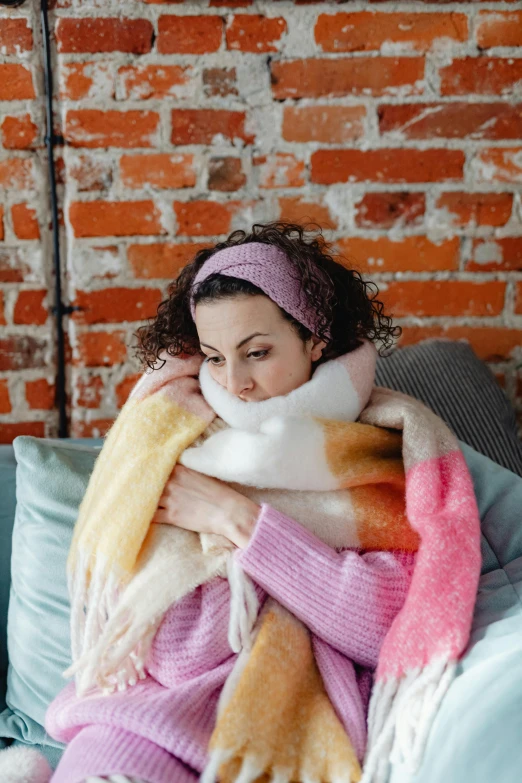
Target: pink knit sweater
<point>159,730</point>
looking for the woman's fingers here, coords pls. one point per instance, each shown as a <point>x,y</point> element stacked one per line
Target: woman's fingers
<point>161,517</point>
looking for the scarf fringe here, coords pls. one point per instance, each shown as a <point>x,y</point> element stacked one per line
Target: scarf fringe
<point>244,607</point>
<point>98,647</point>
<point>400,717</point>
<point>251,770</point>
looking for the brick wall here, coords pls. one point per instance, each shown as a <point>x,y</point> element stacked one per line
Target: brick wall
<point>397,126</point>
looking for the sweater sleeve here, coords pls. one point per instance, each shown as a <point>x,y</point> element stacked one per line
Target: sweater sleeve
<point>347,598</point>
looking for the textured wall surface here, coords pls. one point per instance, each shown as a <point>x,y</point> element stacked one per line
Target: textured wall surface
<point>396,125</point>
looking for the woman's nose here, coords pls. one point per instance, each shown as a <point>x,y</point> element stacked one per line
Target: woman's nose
<point>238,381</point>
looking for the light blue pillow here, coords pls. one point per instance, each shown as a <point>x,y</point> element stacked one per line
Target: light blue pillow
<point>51,479</point>
<point>7,513</point>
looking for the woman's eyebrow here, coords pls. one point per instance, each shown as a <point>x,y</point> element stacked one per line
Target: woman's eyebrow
<point>256,334</point>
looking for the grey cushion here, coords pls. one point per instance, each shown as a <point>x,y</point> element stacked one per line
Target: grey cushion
<point>450,378</point>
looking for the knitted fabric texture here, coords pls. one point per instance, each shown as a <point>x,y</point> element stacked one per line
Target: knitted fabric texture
<point>270,269</point>
<point>295,460</point>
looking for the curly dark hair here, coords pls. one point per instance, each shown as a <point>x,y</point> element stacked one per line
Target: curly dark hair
<point>338,295</point>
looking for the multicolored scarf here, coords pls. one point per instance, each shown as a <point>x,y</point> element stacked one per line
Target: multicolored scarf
<point>359,466</point>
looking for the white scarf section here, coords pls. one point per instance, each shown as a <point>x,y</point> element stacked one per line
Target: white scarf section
<point>339,389</point>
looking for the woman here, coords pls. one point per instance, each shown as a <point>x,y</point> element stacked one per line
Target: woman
<point>256,350</point>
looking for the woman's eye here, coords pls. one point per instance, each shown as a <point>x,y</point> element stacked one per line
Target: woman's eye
<point>215,360</point>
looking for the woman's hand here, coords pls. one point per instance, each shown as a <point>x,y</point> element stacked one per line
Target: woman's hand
<point>204,504</point>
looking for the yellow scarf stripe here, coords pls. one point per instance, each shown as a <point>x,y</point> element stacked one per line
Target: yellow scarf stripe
<point>128,479</point>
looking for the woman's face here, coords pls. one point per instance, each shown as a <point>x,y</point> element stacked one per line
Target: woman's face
<point>251,349</point>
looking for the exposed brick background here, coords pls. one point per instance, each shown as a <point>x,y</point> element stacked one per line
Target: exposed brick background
<point>395,125</point>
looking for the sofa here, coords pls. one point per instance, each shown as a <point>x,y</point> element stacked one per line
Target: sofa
<point>476,736</point>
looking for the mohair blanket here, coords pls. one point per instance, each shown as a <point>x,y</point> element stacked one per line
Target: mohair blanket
<point>359,466</point>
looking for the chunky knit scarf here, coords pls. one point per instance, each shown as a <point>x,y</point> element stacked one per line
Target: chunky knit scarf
<point>359,466</point>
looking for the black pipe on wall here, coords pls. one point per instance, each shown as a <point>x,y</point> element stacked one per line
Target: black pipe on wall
<point>59,310</point>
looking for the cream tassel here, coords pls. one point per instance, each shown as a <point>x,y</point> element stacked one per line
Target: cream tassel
<point>244,607</point>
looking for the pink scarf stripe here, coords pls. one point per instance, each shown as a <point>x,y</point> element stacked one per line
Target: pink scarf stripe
<point>436,623</point>
<point>185,392</point>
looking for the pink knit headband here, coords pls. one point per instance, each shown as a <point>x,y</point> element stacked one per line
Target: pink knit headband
<point>269,268</point>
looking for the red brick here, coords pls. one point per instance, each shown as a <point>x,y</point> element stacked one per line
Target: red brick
<point>255,33</point>
<point>410,254</point>
<point>25,223</point>
<point>367,30</point>
<point>22,352</point>
<point>481,209</point>
<point>491,255</point>
<point>384,210</point>
<point>5,402</point>
<point>16,82</point>
<point>8,432</point>
<point>97,128</point>
<point>2,309</point>
<point>96,428</point>
<point>518,301</point>
<point>13,267</point>
<point>161,260</point>
<point>225,174</point>
<point>220,82</point>
<point>205,218</point>
<point>159,171</point>
<point>386,165</point>
<point>19,133</point>
<point>29,308</point>
<point>17,173</point>
<point>490,343</point>
<point>316,77</point>
<point>115,218</point>
<point>15,36</point>
<point>499,28</point>
<point>86,80</point>
<point>116,305</point>
<point>327,124</point>
<point>151,81</point>
<point>280,170</point>
<point>124,388</point>
<point>481,75</point>
<point>201,126</point>
<point>133,36</point>
<point>101,349</point>
<point>189,34</point>
<point>90,173</point>
<point>40,394</point>
<point>499,164</point>
<point>452,120</point>
<point>443,298</point>
<point>301,210</point>
<point>89,392</point>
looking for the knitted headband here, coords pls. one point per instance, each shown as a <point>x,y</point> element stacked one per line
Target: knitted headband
<point>269,268</point>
